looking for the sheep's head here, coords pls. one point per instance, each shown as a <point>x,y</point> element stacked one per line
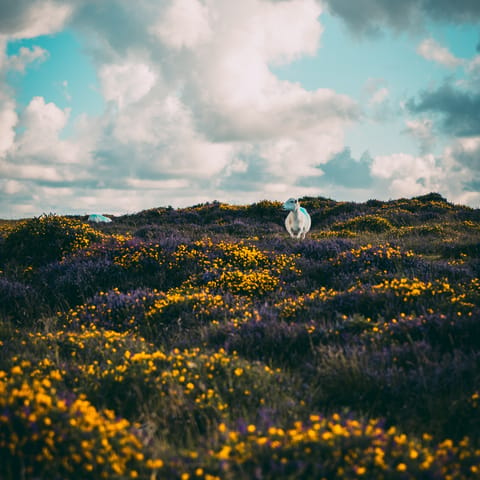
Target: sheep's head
<point>291,204</point>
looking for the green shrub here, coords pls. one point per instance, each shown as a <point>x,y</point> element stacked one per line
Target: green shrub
<point>365,223</point>
<point>47,238</point>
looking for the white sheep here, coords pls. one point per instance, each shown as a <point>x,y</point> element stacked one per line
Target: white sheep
<point>298,221</point>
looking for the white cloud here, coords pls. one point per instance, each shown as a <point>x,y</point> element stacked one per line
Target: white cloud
<point>43,119</point>
<point>463,170</point>
<point>379,96</point>
<point>42,123</point>
<point>40,155</point>
<point>233,92</point>
<point>184,24</point>
<point>376,100</point>
<point>8,121</point>
<point>127,82</point>
<point>157,184</point>
<point>194,111</point>
<point>402,164</point>
<point>431,50</point>
<point>41,17</point>
<point>271,22</point>
<point>409,175</point>
<point>161,135</point>
<point>37,172</point>
<point>469,144</point>
<point>291,158</point>
<point>215,100</point>
<point>26,56</point>
<point>464,153</point>
<point>422,131</point>
<point>12,187</point>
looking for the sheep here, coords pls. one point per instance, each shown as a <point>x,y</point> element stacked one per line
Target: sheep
<point>298,221</point>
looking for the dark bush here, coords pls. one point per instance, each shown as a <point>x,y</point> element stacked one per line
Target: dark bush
<point>71,282</point>
<point>322,249</point>
<point>18,301</point>
<point>47,238</point>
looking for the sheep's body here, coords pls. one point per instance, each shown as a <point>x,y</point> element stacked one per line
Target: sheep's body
<point>298,221</point>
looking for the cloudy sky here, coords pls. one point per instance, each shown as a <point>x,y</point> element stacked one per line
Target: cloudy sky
<point>114,106</point>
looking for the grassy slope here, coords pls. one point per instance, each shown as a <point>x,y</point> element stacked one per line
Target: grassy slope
<point>230,350</point>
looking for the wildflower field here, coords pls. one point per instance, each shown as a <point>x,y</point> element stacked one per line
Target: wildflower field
<point>204,343</point>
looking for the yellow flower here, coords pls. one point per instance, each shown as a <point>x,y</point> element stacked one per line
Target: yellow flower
<point>224,453</point>
<point>157,463</point>
<point>238,372</point>
<point>46,383</point>
<point>327,435</point>
<point>401,467</point>
<point>447,443</point>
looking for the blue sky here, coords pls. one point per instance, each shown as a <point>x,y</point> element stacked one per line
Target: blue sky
<point>116,107</point>
<point>67,77</point>
<point>66,61</point>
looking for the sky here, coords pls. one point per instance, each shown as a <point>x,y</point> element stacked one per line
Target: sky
<point>115,106</point>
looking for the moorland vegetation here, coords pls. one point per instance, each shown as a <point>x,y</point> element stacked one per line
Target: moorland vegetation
<point>204,343</point>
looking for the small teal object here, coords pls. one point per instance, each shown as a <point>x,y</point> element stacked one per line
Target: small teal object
<point>97,218</point>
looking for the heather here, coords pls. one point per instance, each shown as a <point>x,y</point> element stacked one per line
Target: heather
<point>205,343</point>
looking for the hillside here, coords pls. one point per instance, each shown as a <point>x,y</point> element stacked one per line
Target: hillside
<point>205,343</point>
